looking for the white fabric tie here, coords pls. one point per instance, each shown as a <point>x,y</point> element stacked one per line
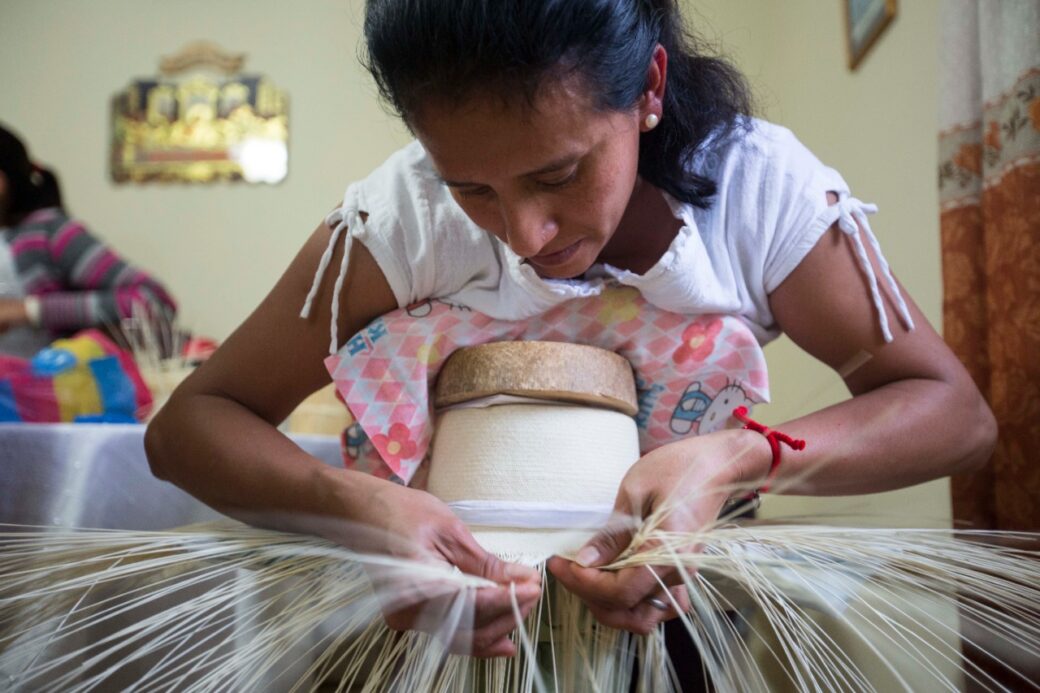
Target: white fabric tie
<point>348,220</point>
<point>850,210</point>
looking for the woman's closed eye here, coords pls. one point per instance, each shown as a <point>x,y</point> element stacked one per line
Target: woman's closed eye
<point>554,181</point>
<point>475,191</point>
<point>559,180</point>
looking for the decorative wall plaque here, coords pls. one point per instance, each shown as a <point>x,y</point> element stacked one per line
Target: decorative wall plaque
<point>201,119</point>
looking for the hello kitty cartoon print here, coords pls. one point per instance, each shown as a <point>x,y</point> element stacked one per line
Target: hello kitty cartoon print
<point>720,412</point>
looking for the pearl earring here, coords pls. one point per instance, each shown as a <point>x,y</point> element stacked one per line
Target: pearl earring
<point>651,121</point>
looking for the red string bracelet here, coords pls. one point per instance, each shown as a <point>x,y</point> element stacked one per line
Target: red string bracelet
<point>774,438</point>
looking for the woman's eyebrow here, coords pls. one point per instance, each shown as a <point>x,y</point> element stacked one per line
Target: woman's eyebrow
<point>556,165</point>
<point>562,162</point>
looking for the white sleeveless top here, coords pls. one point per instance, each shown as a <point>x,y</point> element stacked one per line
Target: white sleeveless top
<point>770,210</point>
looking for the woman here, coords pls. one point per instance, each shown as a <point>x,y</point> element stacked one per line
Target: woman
<point>55,277</point>
<point>558,143</point>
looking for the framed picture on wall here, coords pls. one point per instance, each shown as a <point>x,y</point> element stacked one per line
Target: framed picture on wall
<point>203,120</point>
<point>865,21</point>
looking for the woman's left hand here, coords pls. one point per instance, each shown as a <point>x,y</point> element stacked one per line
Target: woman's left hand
<point>693,477</point>
<point>12,313</point>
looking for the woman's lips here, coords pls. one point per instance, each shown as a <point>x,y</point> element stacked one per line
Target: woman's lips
<point>557,258</point>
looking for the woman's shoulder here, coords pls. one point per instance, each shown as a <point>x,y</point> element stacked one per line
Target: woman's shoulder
<point>421,239</point>
<point>763,168</point>
<point>406,193</point>
<point>408,165</point>
<point>753,144</point>
<point>47,220</point>
<point>407,172</point>
<point>765,135</point>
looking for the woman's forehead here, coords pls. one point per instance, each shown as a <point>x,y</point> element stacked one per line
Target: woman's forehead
<point>487,136</point>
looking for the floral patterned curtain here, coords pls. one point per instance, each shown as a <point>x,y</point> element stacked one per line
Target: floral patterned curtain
<point>989,183</point>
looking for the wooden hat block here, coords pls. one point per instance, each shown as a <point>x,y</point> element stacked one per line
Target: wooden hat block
<point>557,371</point>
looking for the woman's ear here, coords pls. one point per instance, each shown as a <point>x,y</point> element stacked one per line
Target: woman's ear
<point>652,103</point>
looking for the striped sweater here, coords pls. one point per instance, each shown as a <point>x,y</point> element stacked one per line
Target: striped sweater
<point>79,281</point>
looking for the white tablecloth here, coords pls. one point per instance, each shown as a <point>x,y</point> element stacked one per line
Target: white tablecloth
<point>96,475</point>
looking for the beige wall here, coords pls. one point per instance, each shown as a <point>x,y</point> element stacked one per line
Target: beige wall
<point>878,127</point>
<point>220,248</point>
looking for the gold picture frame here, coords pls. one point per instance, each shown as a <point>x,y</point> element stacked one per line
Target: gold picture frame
<point>865,21</point>
<point>202,119</point>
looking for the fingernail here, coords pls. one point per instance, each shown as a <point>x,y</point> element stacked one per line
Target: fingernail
<point>587,557</point>
<point>515,571</point>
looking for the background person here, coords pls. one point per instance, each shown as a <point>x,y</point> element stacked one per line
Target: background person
<point>55,276</point>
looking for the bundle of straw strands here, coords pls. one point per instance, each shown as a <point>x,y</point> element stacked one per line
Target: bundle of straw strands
<point>227,607</point>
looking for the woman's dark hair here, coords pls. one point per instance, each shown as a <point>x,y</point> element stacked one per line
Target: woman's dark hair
<point>49,189</point>
<point>29,187</point>
<point>449,50</point>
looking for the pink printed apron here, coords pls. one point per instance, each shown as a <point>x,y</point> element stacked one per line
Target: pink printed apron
<point>691,371</point>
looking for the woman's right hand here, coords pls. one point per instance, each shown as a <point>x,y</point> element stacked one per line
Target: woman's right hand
<point>420,527</point>
<point>217,438</point>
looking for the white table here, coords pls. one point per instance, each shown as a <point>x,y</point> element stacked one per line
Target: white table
<point>96,475</point>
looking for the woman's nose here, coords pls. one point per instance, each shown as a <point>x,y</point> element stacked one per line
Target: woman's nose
<point>529,227</point>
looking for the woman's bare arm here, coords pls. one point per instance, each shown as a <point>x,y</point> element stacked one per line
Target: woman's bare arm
<point>217,436</point>
<point>915,414</point>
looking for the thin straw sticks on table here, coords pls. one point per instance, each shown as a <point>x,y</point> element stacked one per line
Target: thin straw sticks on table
<point>229,607</point>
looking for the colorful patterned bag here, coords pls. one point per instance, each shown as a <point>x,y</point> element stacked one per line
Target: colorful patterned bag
<point>85,378</point>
